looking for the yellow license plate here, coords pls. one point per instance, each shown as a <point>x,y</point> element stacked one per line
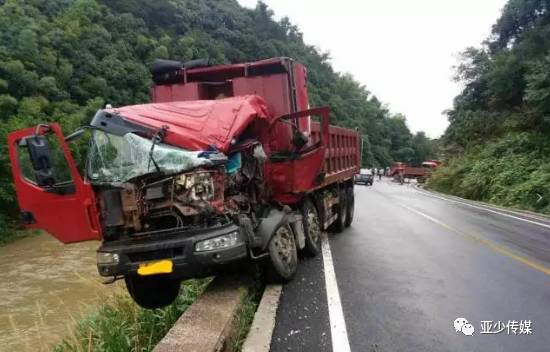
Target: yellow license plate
<point>164,266</point>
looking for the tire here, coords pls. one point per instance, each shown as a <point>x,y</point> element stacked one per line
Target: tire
<point>152,292</point>
<point>312,229</point>
<point>340,223</point>
<point>283,255</point>
<point>350,208</point>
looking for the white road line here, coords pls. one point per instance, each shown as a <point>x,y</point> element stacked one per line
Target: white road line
<point>492,246</point>
<point>425,216</point>
<point>338,330</point>
<point>488,210</point>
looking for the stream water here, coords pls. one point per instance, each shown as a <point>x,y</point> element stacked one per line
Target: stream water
<point>45,287</point>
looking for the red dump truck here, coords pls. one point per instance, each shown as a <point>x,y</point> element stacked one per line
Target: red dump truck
<point>228,164</point>
<point>401,171</point>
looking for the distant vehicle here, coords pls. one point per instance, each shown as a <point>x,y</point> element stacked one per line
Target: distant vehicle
<point>365,177</point>
<point>431,164</point>
<point>401,171</point>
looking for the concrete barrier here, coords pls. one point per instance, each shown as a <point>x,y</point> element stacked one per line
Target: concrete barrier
<point>207,325</point>
<point>259,336</point>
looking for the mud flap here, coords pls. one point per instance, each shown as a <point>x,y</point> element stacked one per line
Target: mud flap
<point>272,222</point>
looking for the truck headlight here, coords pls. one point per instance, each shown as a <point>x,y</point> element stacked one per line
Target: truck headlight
<point>105,258</point>
<point>224,241</point>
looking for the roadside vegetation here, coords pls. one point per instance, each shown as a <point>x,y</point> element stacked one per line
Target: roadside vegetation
<point>245,316</point>
<point>512,171</point>
<point>497,146</point>
<point>61,60</point>
<point>120,325</point>
<point>10,236</point>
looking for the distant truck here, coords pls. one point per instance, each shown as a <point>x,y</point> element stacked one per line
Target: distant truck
<point>228,164</point>
<point>401,171</point>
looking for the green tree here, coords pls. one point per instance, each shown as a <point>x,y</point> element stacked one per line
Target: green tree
<point>62,59</point>
<point>496,142</point>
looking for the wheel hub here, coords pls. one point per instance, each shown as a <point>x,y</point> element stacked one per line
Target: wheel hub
<point>313,226</point>
<point>284,243</point>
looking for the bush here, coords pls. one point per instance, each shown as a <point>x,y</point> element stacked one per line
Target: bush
<point>511,171</point>
<point>120,325</point>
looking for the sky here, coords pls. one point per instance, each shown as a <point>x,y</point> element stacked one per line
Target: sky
<point>403,51</point>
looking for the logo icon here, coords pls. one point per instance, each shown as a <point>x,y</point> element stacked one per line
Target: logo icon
<point>462,325</point>
<point>468,329</point>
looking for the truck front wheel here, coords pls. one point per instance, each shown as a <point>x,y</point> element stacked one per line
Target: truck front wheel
<point>283,255</point>
<point>152,292</point>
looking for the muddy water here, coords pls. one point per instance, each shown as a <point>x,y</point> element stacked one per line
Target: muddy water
<point>45,287</point>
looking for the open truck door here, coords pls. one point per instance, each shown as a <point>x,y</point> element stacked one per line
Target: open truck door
<point>51,193</point>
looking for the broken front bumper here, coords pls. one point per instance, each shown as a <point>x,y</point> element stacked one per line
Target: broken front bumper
<point>179,247</point>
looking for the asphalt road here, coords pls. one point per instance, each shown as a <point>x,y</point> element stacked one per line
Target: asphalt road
<point>412,263</point>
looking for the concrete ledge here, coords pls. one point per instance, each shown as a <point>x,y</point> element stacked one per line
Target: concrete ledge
<point>206,325</point>
<point>259,336</point>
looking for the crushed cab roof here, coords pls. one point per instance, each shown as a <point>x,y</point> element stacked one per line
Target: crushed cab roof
<point>198,124</point>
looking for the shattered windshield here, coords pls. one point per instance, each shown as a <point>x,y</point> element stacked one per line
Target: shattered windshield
<point>120,158</point>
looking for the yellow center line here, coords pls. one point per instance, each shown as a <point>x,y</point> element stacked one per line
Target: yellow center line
<point>493,246</point>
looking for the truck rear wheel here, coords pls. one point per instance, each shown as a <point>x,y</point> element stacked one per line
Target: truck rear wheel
<point>350,208</point>
<point>340,223</point>
<point>152,292</point>
<point>312,229</point>
<point>283,255</point>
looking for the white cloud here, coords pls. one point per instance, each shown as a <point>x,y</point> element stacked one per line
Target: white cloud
<point>402,50</point>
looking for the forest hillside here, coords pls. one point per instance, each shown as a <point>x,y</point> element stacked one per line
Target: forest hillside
<point>60,60</point>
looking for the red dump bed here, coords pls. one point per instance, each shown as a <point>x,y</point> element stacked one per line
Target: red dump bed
<point>343,156</point>
<point>411,172</point>
<point>408,171</point>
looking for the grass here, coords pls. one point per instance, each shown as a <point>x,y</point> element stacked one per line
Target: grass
<point>513,171</point>
<point>245,316</point>
<point>12,236</point>
<point>120,325</point>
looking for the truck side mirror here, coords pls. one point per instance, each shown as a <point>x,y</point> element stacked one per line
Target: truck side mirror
<point>41,160</point>
<point>76,134</point>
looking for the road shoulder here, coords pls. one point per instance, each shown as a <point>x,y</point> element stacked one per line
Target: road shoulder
<point>528,215</point>
<point>302,322</point>
<point>261,331</point>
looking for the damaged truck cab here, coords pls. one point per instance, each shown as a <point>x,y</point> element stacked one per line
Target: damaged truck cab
<point>228,164</point>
